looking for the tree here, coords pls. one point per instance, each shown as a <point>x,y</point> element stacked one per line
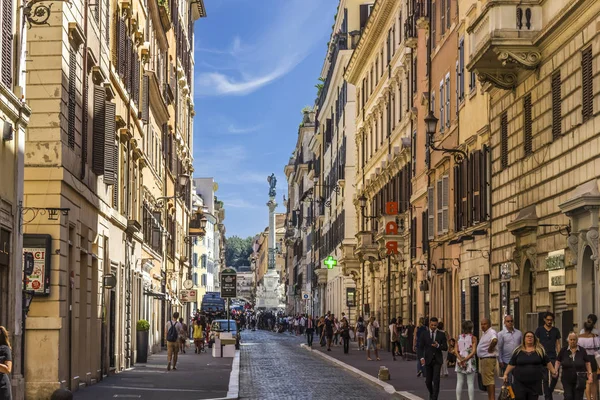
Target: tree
<point>238,251</point>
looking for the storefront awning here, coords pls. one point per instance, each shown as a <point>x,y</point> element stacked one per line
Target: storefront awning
<point>155,294</point>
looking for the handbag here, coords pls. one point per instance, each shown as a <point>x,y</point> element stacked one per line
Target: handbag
<point>506,393</point>
<point>581,381</point>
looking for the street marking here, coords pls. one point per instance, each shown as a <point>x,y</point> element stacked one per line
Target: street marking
<point>151,389</point>
<point>130,396</point>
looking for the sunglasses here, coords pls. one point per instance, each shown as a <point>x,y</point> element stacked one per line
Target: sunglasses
<point>509,320</point>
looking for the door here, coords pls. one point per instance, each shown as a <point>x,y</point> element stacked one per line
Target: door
<point>526,297</point>
<point>475,309</point>
<point>112,327</point>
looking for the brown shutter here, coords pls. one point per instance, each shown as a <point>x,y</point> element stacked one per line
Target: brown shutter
<point>464,186</point>
<point>484,183</point>
<point>7,43</point>
<point>430,213</point>
<point>121,50</point>
<point>426,234</point>
<point>504,140</point>
<point>136,77</point>
<point>527,126</point>
<point>145,99</point>
<point>476,170</point>
<point>556,106</point>
<point>99,131</point>
<point>587,84</point>
<point>72,98</point>
<point>84,126</point>
<point>111,163</point>
<point>107,22</point>
<point>115,164</point>
<point>457,199</point>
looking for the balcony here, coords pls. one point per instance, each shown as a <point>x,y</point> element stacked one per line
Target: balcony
<point>502,41</point>
<point>366,248</point>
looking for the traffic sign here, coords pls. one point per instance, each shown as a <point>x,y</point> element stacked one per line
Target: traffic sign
<point>305,295</point>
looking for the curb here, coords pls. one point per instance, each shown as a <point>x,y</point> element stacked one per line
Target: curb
<point>233,392</point>
<point>385,386</point>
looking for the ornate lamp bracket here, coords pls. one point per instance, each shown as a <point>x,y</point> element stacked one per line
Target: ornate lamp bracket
<point>36,12</point>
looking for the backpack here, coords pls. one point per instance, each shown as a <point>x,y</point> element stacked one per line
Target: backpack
<point>361,327</point>
<point>172,334</point>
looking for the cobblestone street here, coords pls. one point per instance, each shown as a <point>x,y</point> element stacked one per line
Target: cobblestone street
<point>274,366</point>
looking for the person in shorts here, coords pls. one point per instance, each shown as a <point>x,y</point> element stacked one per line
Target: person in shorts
<point>360,330</point>
<point>372,338</point>
<point>488,353</point>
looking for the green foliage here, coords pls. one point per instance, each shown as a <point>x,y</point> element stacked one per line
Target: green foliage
<point>142,326</point>
<point>238,251</point>
<point>306,109</point>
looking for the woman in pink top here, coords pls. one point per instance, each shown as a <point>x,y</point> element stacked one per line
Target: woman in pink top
<point>591,343</point>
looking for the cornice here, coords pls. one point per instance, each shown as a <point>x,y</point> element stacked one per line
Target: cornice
<point>369,37</point>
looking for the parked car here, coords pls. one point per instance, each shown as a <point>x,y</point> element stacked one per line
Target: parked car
<point>220,325</point>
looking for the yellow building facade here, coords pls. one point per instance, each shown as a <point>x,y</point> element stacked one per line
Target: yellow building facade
<point>110,144</point>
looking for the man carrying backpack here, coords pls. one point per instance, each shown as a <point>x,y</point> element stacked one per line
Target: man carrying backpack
<point>172,329</point>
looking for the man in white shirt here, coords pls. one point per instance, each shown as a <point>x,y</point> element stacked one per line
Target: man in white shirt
<point>487,353</point>
<point>509,339</point>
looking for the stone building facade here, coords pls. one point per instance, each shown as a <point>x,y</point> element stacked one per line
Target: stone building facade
<point>110,144</point>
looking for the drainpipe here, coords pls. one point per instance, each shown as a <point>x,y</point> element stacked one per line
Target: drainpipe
<point>429,3</point>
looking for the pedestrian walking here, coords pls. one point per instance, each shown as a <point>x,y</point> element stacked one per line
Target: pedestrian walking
<point>337,329</point>
<point>529,362</point>
<point>310,330</point>
<point>591,343</point>
<point>198,336</point>
<point>509,339</point>
<point>444,370</point>
<point>345,334</point>
<point>466,368</point>
<point>328,330</point>
<point>487,353</point>
<point>372,338</point>
<point>183,335</point>
<point>5,365</point>
<point>393,337</point>
<point>549,337</point>
<point>172,329</point>
<point>576,368</point>
<point>432,342</point>
<point>416,345</point>
<point>360,329</point>
<point>593,319</point>
<point>401,340</point>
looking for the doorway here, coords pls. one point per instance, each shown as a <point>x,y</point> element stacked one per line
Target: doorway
<point>588,284</point>
<point>475,309</point>
<point>526,298</point>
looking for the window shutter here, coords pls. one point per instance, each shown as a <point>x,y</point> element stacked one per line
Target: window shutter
<point>72,98</point>
<point>445,202</point>
<point>115,165</point>
<point>145,99</point>
<point>430,213</point>
<point>448,100</point>
<point>128,65</point>
<point>476,171</point>
<point>457,199</point>
<point>433,25</point>
<point>443,16</point>
<point>442,116</point>
<point>527,128</point>
<point>484,183</point>
<point>556,106</point>
<point>111,163</point>
<point>107,22</point>
<point>504,140</point>
<point>448,11</point>
<point>587,84</point>
<point>464,193</point>
<point>136,77</point>
<point>461,70</point>
<point>426,234</point>
<point>98,125</point>
<point>7,43</point>
<point>121,43</point>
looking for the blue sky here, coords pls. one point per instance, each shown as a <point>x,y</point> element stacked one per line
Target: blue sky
<point>257,63</point>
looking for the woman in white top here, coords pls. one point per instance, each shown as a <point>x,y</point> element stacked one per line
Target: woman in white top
<point>591,343</point>
<point>393,328</point>
<point>465,351</point>
<point>372,338</point>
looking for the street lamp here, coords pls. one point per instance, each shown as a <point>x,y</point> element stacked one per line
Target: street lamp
<point>430,124</point>
<point>184,179</point>
<point>430,129</point>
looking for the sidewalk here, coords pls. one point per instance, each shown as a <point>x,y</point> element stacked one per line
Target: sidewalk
<point>198,376</point>
<point>403,374</point>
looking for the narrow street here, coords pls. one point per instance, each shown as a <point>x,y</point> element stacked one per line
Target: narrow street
<point>274,366</point>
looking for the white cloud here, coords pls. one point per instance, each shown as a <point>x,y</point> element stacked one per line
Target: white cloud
<point>285,41</point>
<point>238,203</point>
<point>238,130</point>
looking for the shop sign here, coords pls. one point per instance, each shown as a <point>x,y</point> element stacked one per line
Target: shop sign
<point>350,297</point>
<point>556,280</point>
<point>188,295</point>
<point>505,272</point>
<point>555,260</point>
<point>37,245</point>
<point>391,228</point>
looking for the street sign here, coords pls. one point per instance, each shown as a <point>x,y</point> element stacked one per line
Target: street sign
<point>188,296</point>
<point>305,296</point>
<point>350,297</point>
<point>228,283</point>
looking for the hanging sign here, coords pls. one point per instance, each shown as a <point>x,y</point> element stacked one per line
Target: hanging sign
<point>37,245</point>
<point>188,296</point>
<point>391,228</point>
<point>228,283</point>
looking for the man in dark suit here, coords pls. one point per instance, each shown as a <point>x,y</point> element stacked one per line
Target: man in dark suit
<point>431,343</point>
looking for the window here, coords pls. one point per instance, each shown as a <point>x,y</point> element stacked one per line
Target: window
<point>447,99</point>
<point>442,103</point>
<point>433,24</point>
<point>587,92</point>
<point>504,140</point>
<point>72,98</point>
<point>472,81</point>
<point>461,70</point>
<point>448,10</point>
<point>7,43</point>
<point>556,106</point>
<point>430,213</point>
<point>443,16</point>
<point>442,204</point>
<point>527,126</point>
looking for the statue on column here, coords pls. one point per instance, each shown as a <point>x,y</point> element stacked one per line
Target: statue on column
<point>272,185</point>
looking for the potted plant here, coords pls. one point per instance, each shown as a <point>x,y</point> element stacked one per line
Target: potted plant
<point>143,330</point>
